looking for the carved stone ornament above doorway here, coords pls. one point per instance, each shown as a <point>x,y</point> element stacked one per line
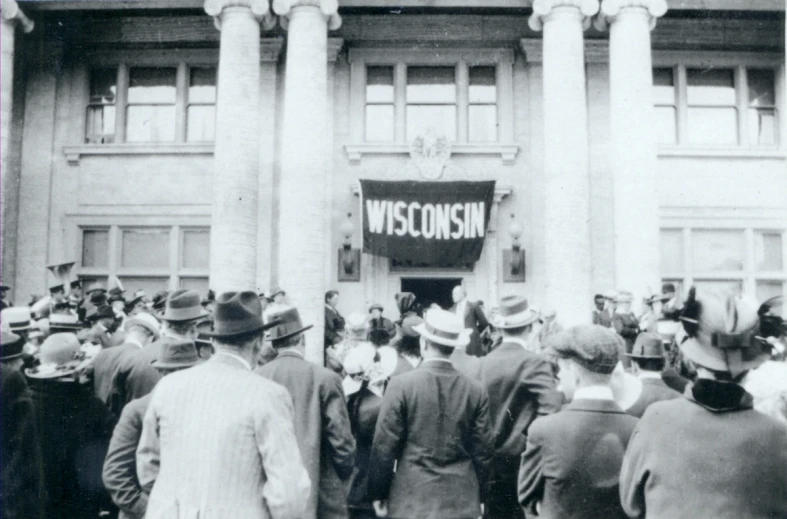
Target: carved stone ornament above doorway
<point>430,153</point>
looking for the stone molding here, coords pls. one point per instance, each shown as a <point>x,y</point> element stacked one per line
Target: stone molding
<point>611,8</point>
<point>543,8</point>
<point>329,9</point>
<point>11,12</point>
<point>532,49</point>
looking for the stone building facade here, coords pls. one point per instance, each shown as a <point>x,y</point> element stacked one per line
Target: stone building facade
<point>182,143</point>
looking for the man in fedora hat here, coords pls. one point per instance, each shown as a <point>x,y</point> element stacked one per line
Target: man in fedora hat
<point>407,345</point>
<point>322,425</point>
<point>120,466</point>
<point>434,427</point>
<point>521,387</point>
<point>571,463</point>
<point>647,363</point>
<point>3,294</point>
<point>473,317</point>
<point>334,322</point>
<point>730,459</point>
<point>137,303</point>
<point>625,323</point>
<point>278,303</point>
<point>218,440</point>
<point>103,327</point>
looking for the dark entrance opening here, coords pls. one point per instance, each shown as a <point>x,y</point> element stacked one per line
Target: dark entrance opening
<point>431,290</point>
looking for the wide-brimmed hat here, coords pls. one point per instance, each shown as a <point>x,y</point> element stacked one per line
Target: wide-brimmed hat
<point>182,305</point>
<point>357,362</point>
<point>356,326</point>
<point>59,355</point>
<point>176,353</point>
<point>96,286</point>
<point>17,318</point>
<point>656,298</point>
<point>285,324</point>
<point>514,313</point>
<point>238,313</point>
<point>444,328</point>
<point>64,323</point>
<point>375,306</point>
<point>138,296</point>
<point>624,296</point>
<point>610,295</point>
<point>11,345</point>
<point>3,288</point>
<point>594,347</point>
<point>147,321</point>
<point>648,345</point>
<point>159,299</point>
<point>277,291</point>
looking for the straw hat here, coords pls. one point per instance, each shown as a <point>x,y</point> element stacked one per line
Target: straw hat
<point>445,328</point>
<point>59,355</point>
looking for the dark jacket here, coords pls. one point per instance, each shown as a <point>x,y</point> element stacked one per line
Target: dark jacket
<point>363,408</point>
<point>22,473</point>
<point>322,427</point>
<point>135,376</point>
<point>120,465</point>
<point>434,425</point>
<point>75,428</point>
<point>653,390</point>
<point>474,319</point>
<point>105,366</point>
<point>572,461</point>
<point>334,325</point>
<point>709,454</point>
<point>674,380</point>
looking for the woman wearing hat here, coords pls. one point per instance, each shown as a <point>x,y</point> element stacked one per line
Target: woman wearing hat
<point>381,330</point>
<point>625,323</point>
<point>407,306</point>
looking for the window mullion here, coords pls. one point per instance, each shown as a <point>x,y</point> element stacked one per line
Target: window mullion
<point>120,103</point>
<point>681,101</point>
<point>742,103</point>
<point>462,100</point>
<point>400,102</point>
<point>181,101</point>
<point>358,100</point>
<point>505,94</point>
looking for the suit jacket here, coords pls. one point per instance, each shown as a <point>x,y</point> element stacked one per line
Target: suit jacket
<point>218,441</point>
<point>627,327</point>
<point>572,461</point>
<point>402,366</point>
<point>688,461</point>
<point>467,365</point>
<point>434,426</point>
<point>363,408</point>
<point>334,324</point>
<point>474,319</point>
<point>135,377</point>
<point>322,428</point>
<point>653,390</point>
<point>105,366</point>
<point>120,465</point>
<point>22,474</point>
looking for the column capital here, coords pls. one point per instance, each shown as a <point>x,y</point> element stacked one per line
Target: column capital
<point>11,12</point>
<point>543,8</point>
<point>259,8</point>
<point>611,8</point>
<point>329,9</point>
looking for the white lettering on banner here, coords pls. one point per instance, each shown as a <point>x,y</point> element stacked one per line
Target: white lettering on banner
<point>438,221</point>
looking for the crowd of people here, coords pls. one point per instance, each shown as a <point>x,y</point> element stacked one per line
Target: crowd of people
<point>182,406</point>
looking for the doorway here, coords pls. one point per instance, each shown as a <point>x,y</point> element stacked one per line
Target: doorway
<point>431,290</point>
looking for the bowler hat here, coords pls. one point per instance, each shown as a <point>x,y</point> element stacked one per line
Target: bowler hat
<point>59,355</point>
<point>176,353</point>
<point>514,313</point>
<point>286,324</point>
<point>17,318</point>
<point>238,313</point>
<point>593,347</point>
<point>444,328</point>
<point>182,305</point>
<point>10,345</point>
<point>648,345</point>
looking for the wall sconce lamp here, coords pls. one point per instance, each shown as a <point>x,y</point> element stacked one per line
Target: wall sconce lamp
<point>349,260</point>
<point>514,258</point>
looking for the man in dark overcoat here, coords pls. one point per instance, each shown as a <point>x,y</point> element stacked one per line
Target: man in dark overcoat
<point>434,427</point>
<point>647,363</point>
<point>730,460</point>
<point>322,424</point>
<point>334,322</point>
<point>521,387</point>
<point>473,318</point>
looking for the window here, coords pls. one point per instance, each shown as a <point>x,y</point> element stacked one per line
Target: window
<point>152,258</point>
<point>482,111</point>
<point>742,260</point>
<point>431,101</point>
<point>379,104</point>
<point>151,104</point>
<point>701,104</point>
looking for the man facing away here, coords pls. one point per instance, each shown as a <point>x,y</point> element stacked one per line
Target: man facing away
<point>473,318</point>
<point>322,424</point>
<point>571,465</point>
<point>434,427</point>
<point>647,363</point>
<point>218,440</point>
<point>521,387</point>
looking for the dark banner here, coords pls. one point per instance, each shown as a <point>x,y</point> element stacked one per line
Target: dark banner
<point>426,223</point>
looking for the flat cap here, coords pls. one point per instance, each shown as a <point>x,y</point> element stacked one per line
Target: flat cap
<point>593,347</point>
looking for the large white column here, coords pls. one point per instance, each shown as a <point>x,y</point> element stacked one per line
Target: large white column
<point>633,150</point>
<point>566,174</point>
<point>303,189</point>
<point>233,240</point>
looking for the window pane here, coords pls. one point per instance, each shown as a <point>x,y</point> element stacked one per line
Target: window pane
<point>721,287</point>
<point>145,248</point>
<point>201,125</point>
<point>715,251</point>
<point>763,126</point>
<point>150,123</point>
<point>100,127</point>
<point>713,125</point>
<point>768,251</point>
<point>379,122</point>
<point>483,123</point>
<point>151,85</point>
<point>196,249</point>
<point>440,119</point>
<point>711,87</point>
<point>482,85</point>
<point>671,250</point>
<point>762,87</point>
<point>666,124</point>
<point>95,249</point>
<point>103,85</point>
<point>663,86</point>
<point>150,285</point>
<point>200,285</point>
<point>767,290</point>
<point>202,85</point>
<point>379,85</point>
<point>431,85</point>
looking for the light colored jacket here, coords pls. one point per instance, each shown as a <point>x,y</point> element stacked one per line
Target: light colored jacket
<point>218,441</point>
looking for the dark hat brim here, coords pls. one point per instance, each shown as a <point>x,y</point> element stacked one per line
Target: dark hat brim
<point>288,335</point>
<point>236,333</point>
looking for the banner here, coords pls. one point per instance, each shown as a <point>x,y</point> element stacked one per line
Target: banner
<point>426,223</point>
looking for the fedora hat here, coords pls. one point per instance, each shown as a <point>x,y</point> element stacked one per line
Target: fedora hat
<point>11,345</point>
<point>176,353</point>
<point>356,326</point>
<point>514,313</point>
<point>17,318</point>
<point>237,313</point>
<point>182,305</point>
<point>286,324</point>
<point>444,328</point>
<point>138,296</point>
<point>95,286</point>
<point>59,355</point>
<point>147,321</point>
<point>648,345</point>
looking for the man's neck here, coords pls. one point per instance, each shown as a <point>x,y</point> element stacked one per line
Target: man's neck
<point>136,340</point>
<point>246,357</point>
<point>298,350</point>
<point>594,392</point>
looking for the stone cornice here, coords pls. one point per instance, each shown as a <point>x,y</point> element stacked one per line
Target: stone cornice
<point>270,49</point>
<point>11,12</point>
<point>532,49</point>
<point>543,8</point>
<point>611,8</point>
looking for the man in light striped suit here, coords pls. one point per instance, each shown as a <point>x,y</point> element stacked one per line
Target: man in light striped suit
<point>218,441</point>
